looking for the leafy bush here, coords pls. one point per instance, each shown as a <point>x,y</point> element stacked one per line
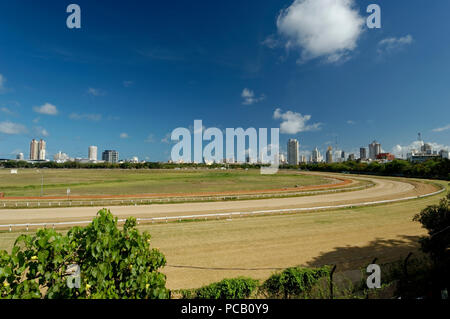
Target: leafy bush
<point>113,263</point>
<point>236,288</point>
<point>436,219</point>
<point>293,282</point>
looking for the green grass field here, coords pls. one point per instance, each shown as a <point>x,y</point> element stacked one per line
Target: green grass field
<point>123,182</point>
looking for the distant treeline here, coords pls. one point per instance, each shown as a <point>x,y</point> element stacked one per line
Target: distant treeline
<point>126,165</point>
<point>433,168</point>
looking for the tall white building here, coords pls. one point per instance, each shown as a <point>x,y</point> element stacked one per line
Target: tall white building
<point>292,149</point>
<point>316,157</point>
<point>42,149</point>
<point>34,150</point>
<point>374,150</point>
<point>92,154</point>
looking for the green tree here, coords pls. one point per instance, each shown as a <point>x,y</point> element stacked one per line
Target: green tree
<point>436,219</point>
<point>113,263</point>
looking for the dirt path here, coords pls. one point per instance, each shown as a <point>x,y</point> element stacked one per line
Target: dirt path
<point>384,189</point>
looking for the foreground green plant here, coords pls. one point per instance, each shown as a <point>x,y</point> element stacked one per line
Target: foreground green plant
<point>113,263</point>
<point>295,282</point>
<point>236,288</point>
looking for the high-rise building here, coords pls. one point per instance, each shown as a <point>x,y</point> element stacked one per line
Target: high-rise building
<point>343,155</point>
<point>374,150</point>
<point>329,155</point>
<point>110,156</point>
<point>292,149</point>
<point>92,154</point>
<point>41,147</point>
<point>34,150</point>
<point>19,157</point>
<point>316,157</point>
<point>362,153</point>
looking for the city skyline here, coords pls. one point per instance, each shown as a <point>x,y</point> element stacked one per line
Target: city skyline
<point>127,86</point>
<point>291,156</point>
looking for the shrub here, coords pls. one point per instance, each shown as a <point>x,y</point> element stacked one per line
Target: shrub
<point>293,282</point>
<point>236,288</point>
<point>113,263</point>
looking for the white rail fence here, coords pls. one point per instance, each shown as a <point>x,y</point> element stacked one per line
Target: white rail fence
<point>146,201</point>
<point>228,215</point>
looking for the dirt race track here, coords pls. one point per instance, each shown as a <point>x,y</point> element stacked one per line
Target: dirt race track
<point>384,189</point>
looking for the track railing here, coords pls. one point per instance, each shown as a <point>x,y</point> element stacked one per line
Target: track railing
<point>228,215</point>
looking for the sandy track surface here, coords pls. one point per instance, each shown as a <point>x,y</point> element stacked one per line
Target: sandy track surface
<point>383,189</point>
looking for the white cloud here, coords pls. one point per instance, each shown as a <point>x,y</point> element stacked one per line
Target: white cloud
<point>40,131</point>
<point>124,135</point>
<point>84,116</point>
<point>389,45</point>
<point>271,42</point>
<point>47,109</point>
<point>326,29</point>
<point>441,129</point>
<point>249,97</point>
<point>12,128</point>
<point>167,138</point>
<point>96,92</point>
<point>401,150</point>
<point>293,123</point>
<point>6,111</point>
<point>351,122</point>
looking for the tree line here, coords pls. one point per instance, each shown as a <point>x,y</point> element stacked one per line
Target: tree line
<point>434,168</point>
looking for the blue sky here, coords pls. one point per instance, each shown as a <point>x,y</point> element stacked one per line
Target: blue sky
<point>136,70</point>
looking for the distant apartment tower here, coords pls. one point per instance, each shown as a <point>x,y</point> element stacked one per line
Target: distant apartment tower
<point>34,150</point>
<point>374,150</point>
<point>42,149</point>
<point>110,156</point>
<point>329,155</point>
<point>316,157</point>
<point>362,153</point>
<point>292,149</point>
<point>92,154</point>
